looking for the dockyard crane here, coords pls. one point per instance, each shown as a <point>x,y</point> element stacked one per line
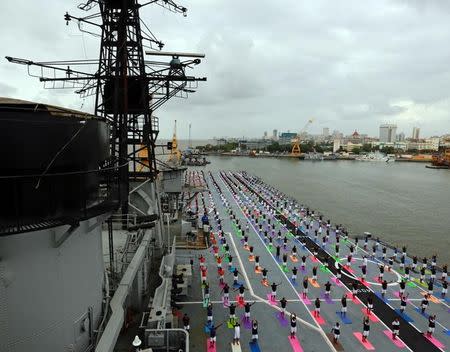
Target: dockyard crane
<point>296,141</point>
<point>175,154</point>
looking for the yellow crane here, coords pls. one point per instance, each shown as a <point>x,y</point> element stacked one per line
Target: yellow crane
<point>175,154</point>
<point>296,141</point>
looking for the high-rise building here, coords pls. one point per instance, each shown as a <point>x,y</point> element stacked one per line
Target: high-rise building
<point>401,137</point>
<point>415,133</point>
<point>337,134</point>
<point>388,133</point>
<point>265,135</point>
<point>325,132</point>
<point>275,135</point>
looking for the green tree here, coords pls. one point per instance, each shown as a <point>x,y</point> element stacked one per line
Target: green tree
<point>356,150</point>
<point>367,148</point>
<point>388,150</point>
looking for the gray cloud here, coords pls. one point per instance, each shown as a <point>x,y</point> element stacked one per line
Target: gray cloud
<point>269,65</point>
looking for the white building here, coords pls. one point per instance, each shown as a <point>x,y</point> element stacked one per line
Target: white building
<point>416,133</point>
<point>325,132</point>
<point>388,133</point>
<point>336,145</point>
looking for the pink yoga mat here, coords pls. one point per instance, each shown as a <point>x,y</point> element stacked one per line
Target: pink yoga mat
<point>366,344</point>
<point>397,342</point>
<point>319,318</point>
<point>336,281</point>
<point>210,348</point>
<point>435,342</point>
<point>371,316</point>
<point>305,300</point>
<point>271,301</point>
<point>295,344</point>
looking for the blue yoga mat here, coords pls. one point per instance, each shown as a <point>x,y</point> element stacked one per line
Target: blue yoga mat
<point>418,310</point>
<point>345,319</point>
<point>254,347</point>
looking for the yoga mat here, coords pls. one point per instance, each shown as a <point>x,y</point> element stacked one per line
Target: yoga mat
<point>236,347</point>
<point>283,321</point>
<point>294,283</point>
<point>240,301</point>
<point>305,300</point>
<point>336,281</point>
<point>431,298</point>
<point>254,347</point>
<point>314,260</point>
<point>397,342</point>
<point>295,344</point>
<point>345,319</point>
<point>247,323</point>
<point>265,283</point>
<point>324,269</point>
<point>435,342</point>
<point>231,269</point>
<point>238,284</point>
<point>314,283</point>
<point>367,345</point>
<point>318,318</point>
<point>271,301</point>
<point>294,259</point>
<point>327,298</point>
<point>371,316</point>
<point>209,347</point>
<point>303,270</point>
<point>425,314</point>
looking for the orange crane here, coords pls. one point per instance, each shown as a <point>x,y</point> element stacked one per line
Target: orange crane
<point>296,152</point>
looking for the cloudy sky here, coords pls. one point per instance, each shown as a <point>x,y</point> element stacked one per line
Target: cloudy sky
<point>270,64</point>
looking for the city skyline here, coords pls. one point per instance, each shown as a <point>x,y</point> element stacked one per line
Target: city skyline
<point>353,71</point>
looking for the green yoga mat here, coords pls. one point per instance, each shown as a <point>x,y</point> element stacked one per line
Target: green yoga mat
<point>324,269</point>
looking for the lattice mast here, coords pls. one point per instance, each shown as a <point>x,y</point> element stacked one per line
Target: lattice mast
<point>127,88</point>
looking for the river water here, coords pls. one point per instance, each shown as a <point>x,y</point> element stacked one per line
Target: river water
<point>402,203</point>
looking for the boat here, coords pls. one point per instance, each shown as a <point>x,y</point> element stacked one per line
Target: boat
<point>373,157</point>
<point>314,156</point>
<point>441,160</point>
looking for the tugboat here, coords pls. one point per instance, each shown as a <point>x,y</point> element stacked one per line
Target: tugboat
<point>440,161</point>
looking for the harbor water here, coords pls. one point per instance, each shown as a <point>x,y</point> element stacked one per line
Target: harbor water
<point>402,203</point>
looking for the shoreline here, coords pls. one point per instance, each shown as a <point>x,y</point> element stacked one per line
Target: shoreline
<point>302,157</point>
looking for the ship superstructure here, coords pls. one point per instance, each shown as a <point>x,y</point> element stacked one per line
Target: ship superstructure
<point>75,187</point>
